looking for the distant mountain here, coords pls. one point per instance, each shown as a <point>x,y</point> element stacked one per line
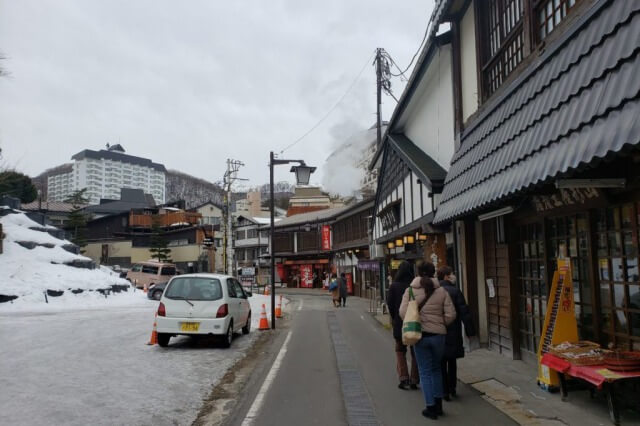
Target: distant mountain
<point>194,191</point>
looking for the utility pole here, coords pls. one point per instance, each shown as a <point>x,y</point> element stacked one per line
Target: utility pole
<point>379,95</point>
<point>230,176</point>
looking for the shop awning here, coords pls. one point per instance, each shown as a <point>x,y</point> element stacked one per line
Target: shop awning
<point>578,105</point>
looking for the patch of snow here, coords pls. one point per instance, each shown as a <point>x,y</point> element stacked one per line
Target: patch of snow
<point>29,273</point>
<point>256,301</point>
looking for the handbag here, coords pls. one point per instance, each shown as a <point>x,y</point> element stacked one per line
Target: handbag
<point>411,328</point>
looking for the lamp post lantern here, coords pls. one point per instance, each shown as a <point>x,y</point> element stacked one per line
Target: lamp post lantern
<point>303,174</point>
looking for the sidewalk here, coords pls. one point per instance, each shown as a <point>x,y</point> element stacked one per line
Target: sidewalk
<point>511,387</point>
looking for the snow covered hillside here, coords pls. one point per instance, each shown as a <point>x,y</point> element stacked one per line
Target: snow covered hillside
<point>34,262</point>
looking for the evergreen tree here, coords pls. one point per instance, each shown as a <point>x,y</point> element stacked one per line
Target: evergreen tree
<point>17,185</point>
<point>159,247</point>
<point>77,223</point>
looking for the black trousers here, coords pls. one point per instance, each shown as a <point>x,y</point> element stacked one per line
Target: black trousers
<point>343,300</point>
<point>449,375</point>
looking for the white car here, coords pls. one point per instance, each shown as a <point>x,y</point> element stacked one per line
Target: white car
<point>203,304</point>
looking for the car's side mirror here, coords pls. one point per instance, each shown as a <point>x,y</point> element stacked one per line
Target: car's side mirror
<point>248,293</point>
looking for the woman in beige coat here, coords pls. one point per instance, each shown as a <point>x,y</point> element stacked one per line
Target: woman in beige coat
<point>436,312</point>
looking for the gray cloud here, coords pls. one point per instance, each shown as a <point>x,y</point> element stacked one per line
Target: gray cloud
<point>190,84</point>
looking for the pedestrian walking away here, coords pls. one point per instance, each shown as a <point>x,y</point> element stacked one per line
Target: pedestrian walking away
<point>343,290</point>
<point>334,288</point>
<point>436,312</point>
<point>454,348</point>
<point>400,283</point>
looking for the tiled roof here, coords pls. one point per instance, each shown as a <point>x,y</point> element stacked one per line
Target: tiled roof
<point>578,103</point>
<point>297,210</point>
<point>52,206</point>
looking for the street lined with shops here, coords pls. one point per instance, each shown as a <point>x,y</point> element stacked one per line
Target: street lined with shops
<point>339,369</point>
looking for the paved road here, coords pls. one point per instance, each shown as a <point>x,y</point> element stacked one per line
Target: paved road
<point>93,367</point>
<point>339,358</point>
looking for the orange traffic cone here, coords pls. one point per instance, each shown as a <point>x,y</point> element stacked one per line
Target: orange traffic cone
<point>146,288</point>
<point>264,324</point>
<point>154,334</point>
<point>267,290</point>
<point>279,308</point>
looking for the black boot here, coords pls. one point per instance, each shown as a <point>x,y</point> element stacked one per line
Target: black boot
<point>430,412</point>
<point>438,407</point>
<point>404,385</point>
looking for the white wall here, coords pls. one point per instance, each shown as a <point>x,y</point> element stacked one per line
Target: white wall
<point>406,206</point>
<point>468,64</point>
<point>429,116</point>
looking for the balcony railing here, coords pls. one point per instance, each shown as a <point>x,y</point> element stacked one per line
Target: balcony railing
<point>164,220</point>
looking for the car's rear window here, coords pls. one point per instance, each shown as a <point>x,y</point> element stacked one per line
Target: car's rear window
<point>168,270</point>
<point>194,288</point>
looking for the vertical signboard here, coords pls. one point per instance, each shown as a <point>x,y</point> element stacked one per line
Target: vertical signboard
<point>350,283</point>
<point>326,237</point>
<point>306,276</point>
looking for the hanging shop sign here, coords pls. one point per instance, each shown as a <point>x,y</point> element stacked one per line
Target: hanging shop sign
<point>326,237</point>
<point>390,216</point>
<point>368,265</point>
<point>306,276</point>
<point>565,197</point>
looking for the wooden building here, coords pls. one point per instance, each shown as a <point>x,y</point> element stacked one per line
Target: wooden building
<point>546,110</point>
<point>309,245</point>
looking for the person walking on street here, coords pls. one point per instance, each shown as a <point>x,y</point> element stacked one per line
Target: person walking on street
<point>403,278</point>
<point>334,288</point>
<point>436,312</point>
<point>343,290</point>
<point>454,347</point>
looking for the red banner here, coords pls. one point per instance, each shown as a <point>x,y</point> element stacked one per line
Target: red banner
<point>326,237</point>
<point>349,283</point>
<point>306,276</point>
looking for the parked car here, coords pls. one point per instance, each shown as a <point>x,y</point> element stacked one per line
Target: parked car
<point>155,290</point>
<point>147,273</point>
<point>203,304</point>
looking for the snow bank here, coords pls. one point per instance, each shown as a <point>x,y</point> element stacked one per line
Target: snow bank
<point>29,273</point>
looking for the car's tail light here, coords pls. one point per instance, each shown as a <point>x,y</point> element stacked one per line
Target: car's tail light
<point>162,311</point>
<point>223,311</point>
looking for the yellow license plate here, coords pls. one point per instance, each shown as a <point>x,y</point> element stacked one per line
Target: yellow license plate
<point>189,326</point>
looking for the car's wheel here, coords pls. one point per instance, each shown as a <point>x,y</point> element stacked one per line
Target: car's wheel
<point>163,339</point>
<point>247,327</point>
<point>228,338</point>
<point>157,294</point>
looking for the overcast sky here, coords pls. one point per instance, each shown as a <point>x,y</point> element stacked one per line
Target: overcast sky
<point>192,83</point>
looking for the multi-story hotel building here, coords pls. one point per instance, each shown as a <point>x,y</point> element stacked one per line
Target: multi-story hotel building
<point>104,172</point>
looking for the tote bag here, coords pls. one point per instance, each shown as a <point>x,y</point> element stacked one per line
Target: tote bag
<point>411,328</point>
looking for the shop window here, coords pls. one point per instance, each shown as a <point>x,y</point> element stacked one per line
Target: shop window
<point>504,46</point>
<point>532,283</point>
<point>569,237</point>
<point>618,275</point>
<point>550,13</point>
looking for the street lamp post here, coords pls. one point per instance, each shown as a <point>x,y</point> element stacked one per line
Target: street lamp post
<point>303,173</point>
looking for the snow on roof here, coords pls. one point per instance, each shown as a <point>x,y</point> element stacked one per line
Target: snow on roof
<point>265,220</point>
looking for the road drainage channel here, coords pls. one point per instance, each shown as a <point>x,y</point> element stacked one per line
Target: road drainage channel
<point>359,408</point>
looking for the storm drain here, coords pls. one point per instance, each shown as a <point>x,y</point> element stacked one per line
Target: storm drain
<point>360,411</point>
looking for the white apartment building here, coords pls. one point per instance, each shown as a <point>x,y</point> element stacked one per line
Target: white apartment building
<point>104,172</point>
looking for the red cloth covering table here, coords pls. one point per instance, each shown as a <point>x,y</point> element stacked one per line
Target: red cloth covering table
<point>597,375</point>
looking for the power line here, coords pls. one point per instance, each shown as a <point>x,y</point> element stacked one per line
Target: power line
<point>424,38</point>
<point>333,107</point>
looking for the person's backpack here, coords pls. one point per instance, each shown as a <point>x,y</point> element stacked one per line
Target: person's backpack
<point>333,285</point>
